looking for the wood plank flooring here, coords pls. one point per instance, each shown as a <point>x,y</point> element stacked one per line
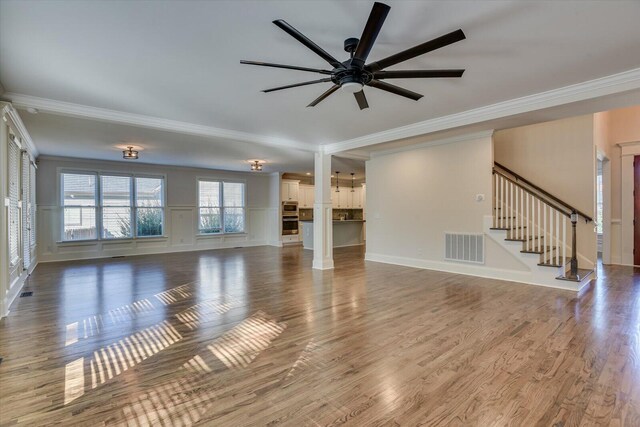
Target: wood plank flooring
<point>254,336</point>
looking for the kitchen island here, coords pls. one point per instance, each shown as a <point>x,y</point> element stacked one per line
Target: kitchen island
<point>348,232</point>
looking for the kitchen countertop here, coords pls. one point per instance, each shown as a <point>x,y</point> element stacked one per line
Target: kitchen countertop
<point>338,220</point>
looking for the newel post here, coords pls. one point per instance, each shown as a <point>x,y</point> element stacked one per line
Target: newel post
<point>574,249</point>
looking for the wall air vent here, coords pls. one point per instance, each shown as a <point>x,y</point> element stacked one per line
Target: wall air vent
<point>464,247</point>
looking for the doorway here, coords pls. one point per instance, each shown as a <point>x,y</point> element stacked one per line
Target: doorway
<point>599,209</point>
<point>603,207</point>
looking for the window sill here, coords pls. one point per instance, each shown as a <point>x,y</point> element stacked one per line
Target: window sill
<point>122,240</point>
<point>208,235</point>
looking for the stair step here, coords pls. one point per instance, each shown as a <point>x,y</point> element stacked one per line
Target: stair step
<point>508,228</point>
<point>582,274</point>
<point>538,251</point>
<point>522,239</point>
<point>553,262</point>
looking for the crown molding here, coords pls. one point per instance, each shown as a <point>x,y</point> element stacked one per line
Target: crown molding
<point>609,85</point>
<point>84,111</point>
<point>450,140</point>
<point>10,113</point>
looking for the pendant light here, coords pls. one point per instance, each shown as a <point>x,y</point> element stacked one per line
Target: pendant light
<point>337,181</point>
<point>353,177</point>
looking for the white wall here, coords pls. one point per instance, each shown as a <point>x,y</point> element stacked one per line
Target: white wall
<point>415,196</point>
<point>559,157</point>
<point>181,222</point>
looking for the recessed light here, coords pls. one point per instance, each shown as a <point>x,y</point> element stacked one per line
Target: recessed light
<point>308,173</point>
<point>32,110</point>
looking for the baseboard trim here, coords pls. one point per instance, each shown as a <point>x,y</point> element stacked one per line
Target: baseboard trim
<point>164,250</point>
<point>467,270</point>
<point>322,264</point>
<point>16,288</point>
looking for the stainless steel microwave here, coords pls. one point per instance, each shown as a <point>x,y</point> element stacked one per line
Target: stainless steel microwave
<point>289,208</point>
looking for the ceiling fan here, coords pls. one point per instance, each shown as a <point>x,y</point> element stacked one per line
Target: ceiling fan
<point>353,74</point>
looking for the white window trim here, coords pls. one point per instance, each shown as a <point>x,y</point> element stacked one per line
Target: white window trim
<point>105,172</point>
<point>221,207</point>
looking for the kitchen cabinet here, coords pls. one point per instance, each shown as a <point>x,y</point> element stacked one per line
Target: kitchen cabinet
<point>307,196</point>
<point>290,190</point>
<point>356,198</point>
<point>341,200</point>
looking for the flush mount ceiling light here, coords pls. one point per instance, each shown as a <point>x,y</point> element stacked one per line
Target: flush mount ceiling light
<point>130,153</point>
<point>256,166</point>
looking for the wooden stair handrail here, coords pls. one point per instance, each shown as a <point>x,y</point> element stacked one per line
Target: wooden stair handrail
<point>542,193</point>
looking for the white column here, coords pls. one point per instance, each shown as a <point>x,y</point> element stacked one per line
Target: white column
<point>322,214</point>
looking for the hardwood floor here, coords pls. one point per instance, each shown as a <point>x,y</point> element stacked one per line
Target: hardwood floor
<point>255,337</point>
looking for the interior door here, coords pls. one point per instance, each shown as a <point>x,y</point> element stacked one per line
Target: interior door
<point>636,210</point>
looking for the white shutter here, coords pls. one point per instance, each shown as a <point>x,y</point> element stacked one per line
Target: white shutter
<point>32,201</point>
<point>26,211</point>
<point>14,212</point>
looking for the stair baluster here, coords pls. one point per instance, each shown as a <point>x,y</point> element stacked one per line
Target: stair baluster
<point>536,218</point>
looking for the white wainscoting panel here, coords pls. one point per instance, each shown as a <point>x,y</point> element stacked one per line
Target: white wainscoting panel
<point>181,234</point>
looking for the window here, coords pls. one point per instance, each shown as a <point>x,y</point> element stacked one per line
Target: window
<point>221,207</point>
<point>32,199</point>
<point>149,206</point>
<point>233,212</point>
<point>14,198</point>
<point>209,207</point>
<point>79,206</point>
<point>122,199</point>
<point>116,206</point>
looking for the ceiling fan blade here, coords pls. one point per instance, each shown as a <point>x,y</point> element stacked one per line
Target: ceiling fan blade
<point>362,100</point>
<point>370,33</point>
<point>416,74</point>
<point>308,43</point>
<point>312,82</point>
<point>418,50</point>
<point>394,89</point>
<point>322,97</point>
<point>288,67</point>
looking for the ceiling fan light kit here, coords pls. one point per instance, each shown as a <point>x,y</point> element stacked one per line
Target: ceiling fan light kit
<point>353,74</point>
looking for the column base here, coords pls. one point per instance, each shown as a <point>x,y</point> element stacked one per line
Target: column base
<point>322,264</point>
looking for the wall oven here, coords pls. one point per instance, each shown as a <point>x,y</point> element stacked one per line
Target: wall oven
<point>290,209</point>
<point>290,225</point>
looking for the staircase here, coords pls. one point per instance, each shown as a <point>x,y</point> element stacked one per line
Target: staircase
<point>538,228</point>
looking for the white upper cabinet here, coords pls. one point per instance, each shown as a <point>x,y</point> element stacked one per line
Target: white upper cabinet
<point>290,190</point>
<point>356,198</point>
<point>307,196</point>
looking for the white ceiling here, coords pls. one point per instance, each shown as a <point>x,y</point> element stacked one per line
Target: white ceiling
<point>180,61</point>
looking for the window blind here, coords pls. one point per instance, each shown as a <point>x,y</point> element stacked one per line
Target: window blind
<point>14,212</point>
<point>26,211</point>
<point>32,200</point>
<point>116,206</point>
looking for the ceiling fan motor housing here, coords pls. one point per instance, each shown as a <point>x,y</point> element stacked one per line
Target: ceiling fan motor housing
<point>351,44</point>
